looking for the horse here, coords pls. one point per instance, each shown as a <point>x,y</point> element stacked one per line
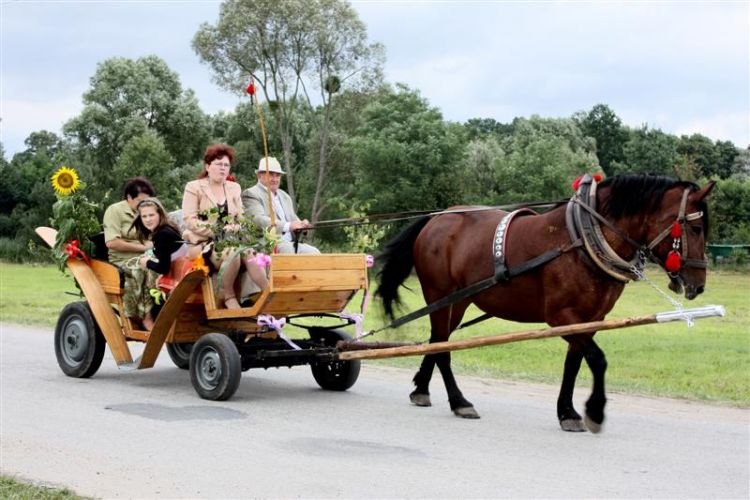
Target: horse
<point>596,242</point>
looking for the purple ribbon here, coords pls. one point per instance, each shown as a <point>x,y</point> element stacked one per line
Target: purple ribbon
<point>277,325</point>
<point>357,318</point>
<point>354,317</point>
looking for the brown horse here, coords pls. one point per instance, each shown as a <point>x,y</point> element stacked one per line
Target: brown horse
<point>602,237</point>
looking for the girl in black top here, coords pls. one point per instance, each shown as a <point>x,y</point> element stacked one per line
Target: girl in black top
<point>151,223</point>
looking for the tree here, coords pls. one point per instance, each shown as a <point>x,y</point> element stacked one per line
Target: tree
<point>481,128</point>
<point>540,160</point>
<point>127,98</point>
<point>605,126</point>
<point>290,47</point>
<point>649,151</point>
<point>404,156</point>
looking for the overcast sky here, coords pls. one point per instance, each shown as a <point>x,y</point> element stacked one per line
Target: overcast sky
<point>682,67</point>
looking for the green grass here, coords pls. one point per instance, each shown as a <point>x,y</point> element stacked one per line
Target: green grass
<point>33,294</point>
<point>12,489</point>
<point>709,362</point>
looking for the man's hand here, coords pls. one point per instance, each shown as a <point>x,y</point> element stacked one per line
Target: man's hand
<point>299,225</point>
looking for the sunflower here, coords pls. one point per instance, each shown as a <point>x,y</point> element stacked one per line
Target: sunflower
<point>65,181</point>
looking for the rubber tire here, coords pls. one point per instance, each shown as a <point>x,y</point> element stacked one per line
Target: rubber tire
<point>336,375</point>
<point>215,367</point>
<point>79,343</point>
<point>180,354</point>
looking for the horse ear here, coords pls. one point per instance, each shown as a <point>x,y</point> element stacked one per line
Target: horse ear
<point>703,192</point>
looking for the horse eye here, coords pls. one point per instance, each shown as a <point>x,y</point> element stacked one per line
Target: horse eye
<point>697,229</point>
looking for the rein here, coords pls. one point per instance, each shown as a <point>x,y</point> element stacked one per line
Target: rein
<point>413,214</point>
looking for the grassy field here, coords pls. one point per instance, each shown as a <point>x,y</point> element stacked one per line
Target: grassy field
<point>13,489</point>
<point>709,362</point>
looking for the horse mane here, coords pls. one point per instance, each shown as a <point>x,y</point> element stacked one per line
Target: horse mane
<point>631,194</point>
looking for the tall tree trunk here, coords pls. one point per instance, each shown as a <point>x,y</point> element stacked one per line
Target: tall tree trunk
<point>322,164</point>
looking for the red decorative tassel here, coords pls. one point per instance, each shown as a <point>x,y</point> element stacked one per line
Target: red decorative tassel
<point>676,231</point>
<point>250,88</point>
<point>577,182</point>
<point>231,178</point>
<point>673,262</point>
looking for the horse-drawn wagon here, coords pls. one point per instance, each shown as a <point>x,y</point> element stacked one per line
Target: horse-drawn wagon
<point>215,344</point>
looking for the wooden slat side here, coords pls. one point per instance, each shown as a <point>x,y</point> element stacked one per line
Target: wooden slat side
<point>348,279</point>
<point>287,262</point>
<point>101,309</point>
<point>284,303</point>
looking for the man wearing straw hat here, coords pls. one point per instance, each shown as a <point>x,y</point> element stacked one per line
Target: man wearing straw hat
<point>258,206</point>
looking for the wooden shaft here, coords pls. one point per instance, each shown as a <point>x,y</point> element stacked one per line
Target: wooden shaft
<point>541,333</point>
<point>265,154</point>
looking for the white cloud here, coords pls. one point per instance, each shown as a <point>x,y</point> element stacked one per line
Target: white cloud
<point>21,117</point>
<point>734,127</point>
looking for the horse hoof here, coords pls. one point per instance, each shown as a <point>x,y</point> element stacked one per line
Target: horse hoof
<point>466,412</point>
<point>572,425</point>
<point>593,427</point>
<point>420,399</point>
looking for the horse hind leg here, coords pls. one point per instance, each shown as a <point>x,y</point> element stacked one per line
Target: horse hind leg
<point>421,394</point>
<point>459,404</point>
<point>443,323</point>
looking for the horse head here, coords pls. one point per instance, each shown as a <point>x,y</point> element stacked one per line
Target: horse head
<point>677,237</point>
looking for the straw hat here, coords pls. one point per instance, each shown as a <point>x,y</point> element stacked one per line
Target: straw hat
<point>273,165</point>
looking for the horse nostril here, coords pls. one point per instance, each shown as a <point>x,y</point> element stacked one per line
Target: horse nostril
<point>699,290</point>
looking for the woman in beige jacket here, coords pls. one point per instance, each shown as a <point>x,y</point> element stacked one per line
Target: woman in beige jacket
<point>213,190</point>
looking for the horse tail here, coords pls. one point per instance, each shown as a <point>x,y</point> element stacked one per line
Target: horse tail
<point>398,260</point>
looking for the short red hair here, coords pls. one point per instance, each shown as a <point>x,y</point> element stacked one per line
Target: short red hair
<point>215,152</point>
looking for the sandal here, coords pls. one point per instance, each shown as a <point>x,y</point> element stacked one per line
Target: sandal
<point>231,303</point>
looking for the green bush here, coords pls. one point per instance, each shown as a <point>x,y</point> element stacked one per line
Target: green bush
<point>23,251</point>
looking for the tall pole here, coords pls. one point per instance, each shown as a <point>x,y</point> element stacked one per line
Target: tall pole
<point>251,91</point>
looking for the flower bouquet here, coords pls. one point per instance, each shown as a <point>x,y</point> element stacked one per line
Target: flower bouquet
<point>74,217</point>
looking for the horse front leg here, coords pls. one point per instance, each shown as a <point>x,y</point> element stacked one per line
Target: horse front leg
<point>597,362</point>
<point>421,395</point>
<point>568,417</point>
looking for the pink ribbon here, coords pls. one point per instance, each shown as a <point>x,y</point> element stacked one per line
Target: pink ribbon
<point>278,325</point>
<point>356,318</point>
<point>262,260</point>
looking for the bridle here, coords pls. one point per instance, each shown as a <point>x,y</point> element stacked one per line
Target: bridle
<point>583,222</point>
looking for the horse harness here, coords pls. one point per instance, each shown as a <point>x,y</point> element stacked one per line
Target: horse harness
<point>583,223</point>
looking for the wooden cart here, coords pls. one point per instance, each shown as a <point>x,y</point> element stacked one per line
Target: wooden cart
<point>215,344</point>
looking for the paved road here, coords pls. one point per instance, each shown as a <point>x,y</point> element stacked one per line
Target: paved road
<point>147,434</point>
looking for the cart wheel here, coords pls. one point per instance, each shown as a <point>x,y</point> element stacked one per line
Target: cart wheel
<point>336,375</point>
<point>180,354</point>
<point>215,367</point>
<point>79,344</point>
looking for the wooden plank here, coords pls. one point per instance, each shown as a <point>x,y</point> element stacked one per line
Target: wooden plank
<point>287,262</point>
<point>349,279</point>
<point>102,310</point>
<point>167,317</point>
<point>289,302</point>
